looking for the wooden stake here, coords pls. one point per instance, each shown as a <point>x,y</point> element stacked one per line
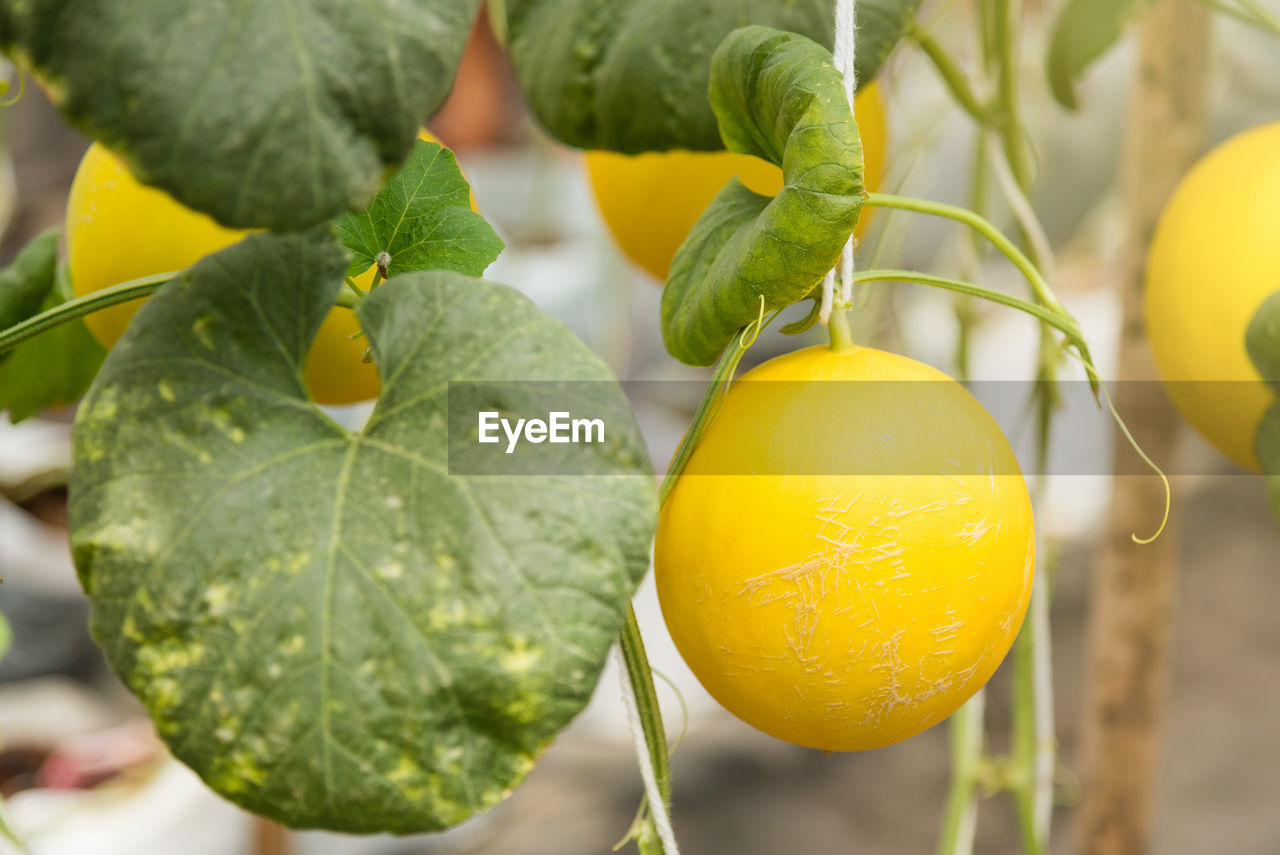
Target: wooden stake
<point>269,838</point>
<point>1134,585</point>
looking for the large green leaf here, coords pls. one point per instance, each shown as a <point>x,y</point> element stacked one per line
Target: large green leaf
<point>1262,340</point>
<point>631,75</point>
<point>260,113</point>
<point>422,219</point>
<point>1268,447</point>
<point>57,366</point>
<point>333,629</point>
<point>1085,30</point>
<point>777,96</point>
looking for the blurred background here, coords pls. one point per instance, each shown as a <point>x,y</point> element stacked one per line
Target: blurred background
<point>82,773</point>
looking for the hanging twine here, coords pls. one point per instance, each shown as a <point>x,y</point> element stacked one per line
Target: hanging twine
<point>845,48</point>
<point>657,807</point>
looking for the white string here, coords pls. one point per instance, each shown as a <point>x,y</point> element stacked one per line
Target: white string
<point>844,54</point>
<point>657,807</point>
<point>828,297</point>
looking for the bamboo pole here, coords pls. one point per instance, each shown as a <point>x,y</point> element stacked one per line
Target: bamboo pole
<point>1133,589</point>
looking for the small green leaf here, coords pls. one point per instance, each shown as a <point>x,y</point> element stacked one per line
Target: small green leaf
<point>631,75</point>
<point>261,114</point>
<point>1085,30</point>
<point>56,367</point>
<point>808,322</point>
<point>422,218</point>
<point>26,282</point>
<point>6,635</point>
<point>1262,340</point>
<point>1268,447</point>
<point>335,629</point>
<point>778,97</point>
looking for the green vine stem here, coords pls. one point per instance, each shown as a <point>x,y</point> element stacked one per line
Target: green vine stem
<point>986,32</point>
<point>1039,286</point>
<point>966,316</point>
<point>1033,748</point>
<point>106,298</point>
<point>838,327</point>
<point>960,816</point>
<point>638,671</point>
<point>721,376</point>
<point>1265,17</point>
<point>640,676</point>
<point>1009,109</point>
<point>1059,320</point>
<point>1224,7</point>
<point>955,79</point>
<point>1033,698</point>
<point>966,731</point>
<point>125,292</point>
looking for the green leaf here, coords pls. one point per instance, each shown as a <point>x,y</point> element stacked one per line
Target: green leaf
<point>26,282</point>
<point>1268,447</point>
<point>333,629</point>
<point>6,635</point>
<point>262,114</point>
<point>422,218</point>
<point>778,97</point>
<point>56,367</point>
<point>1262,340</point>
<point>1085,30</point>
<point>631,75</point>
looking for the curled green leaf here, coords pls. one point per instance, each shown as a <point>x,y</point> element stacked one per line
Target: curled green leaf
<point>337,629</point>
<point>631,75</point>
<point>1262,340</point>
<point>777,96</point>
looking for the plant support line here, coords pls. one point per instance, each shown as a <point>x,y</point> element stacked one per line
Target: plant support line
<point>844,56</point>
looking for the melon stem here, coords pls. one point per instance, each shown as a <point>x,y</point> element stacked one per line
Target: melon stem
<point>838,327</point>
